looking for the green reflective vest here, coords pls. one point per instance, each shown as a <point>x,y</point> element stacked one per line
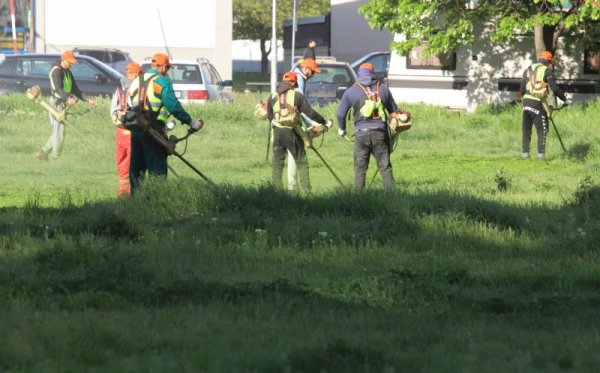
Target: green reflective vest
<point>372,108</point>
<point>536,88</point>
<point>152,102</point>
<point>67,82</point>
<point>285,117</point>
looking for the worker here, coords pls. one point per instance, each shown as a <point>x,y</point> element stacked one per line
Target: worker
<point>536,81</point>
<point>283,111</point>
<point>372,103</point>
<point>309,51</point>
<point>304,71</point>
<point>160,102</point>
<point>118,108</point>
<point>64,92</point>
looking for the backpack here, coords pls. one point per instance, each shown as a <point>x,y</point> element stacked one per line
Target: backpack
<point>536,85</point>
<point>138,118</point>
<point>372,108</point>
<point>284,111</point>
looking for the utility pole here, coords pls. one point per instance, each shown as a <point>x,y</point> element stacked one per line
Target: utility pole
<point>14,29</point>
<point>294,27</point>
<point>274,47</point>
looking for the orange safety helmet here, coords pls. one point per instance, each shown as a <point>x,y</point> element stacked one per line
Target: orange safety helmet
<point>545,55</point>
<point>290,77</point>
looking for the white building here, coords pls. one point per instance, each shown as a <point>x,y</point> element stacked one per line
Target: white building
<point>182,28</point>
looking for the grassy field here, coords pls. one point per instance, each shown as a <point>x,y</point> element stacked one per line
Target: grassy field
<point>478,261</point>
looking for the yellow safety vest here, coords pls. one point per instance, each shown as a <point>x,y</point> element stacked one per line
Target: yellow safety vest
<point>67,82</point>
<point>372,109</point>
<point>152,102</point>
<point>278,113</point>
<point>536,88</point>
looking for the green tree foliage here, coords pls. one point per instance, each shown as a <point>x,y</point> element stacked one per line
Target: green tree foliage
<point>448,24</point>
<point>252,20</point>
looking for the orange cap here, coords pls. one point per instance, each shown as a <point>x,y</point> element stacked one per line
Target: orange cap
<point>161,59</point>
<point>545,55</point>
<point>311,64</point>
<point>68,56</point>
<point>133,68</point>
<point>290,77</point>
<point>367,66</point>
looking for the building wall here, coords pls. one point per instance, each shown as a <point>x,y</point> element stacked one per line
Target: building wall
<point>184,28</point>
<point>486,72</point>
<point>351,35</point>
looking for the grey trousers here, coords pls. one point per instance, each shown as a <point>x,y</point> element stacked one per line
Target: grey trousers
<point>56,140</point>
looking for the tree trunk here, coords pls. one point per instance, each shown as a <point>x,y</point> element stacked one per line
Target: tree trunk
<point>540,41</point>
<point>264,57</point>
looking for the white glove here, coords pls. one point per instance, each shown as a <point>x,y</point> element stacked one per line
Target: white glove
<point>569,99</point>
<point>341,132</point>
<point>196,124</point>
<point>328,123</point>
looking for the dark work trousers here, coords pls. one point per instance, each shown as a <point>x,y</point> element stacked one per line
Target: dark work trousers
<point>534,113</point>
<point>376,142</point>
<point>284,140</point>
<point>146,155</point>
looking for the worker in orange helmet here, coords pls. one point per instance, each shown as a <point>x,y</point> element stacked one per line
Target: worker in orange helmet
<point>118,108</point>
<point>537,80</point>
<point>284,111</point>
<point>65,92</point>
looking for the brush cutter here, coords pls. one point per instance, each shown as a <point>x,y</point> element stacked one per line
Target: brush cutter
<point>169,145</point>
<point>35,94</point>
<point>307,137</point>
<point>551,119</point>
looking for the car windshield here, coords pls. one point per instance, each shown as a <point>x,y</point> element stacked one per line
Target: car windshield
<point>185,74</point>
<point>332,75</point>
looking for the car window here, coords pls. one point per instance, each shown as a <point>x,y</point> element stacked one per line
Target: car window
<point>8,66</point>
<point>35,67</point>
<point>84,71</point>
<point>117,57</point>
<point>215,78</point>
<point>332,75</point>
<point>99,55</point>
<point>380,62</point>
<point>185,74</point>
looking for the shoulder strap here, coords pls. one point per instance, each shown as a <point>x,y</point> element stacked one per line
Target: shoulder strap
<point>143,89</point>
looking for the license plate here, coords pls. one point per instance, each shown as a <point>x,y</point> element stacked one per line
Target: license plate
<point>178,94</point>
<point>322,93</point>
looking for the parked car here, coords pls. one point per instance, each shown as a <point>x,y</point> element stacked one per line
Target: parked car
<point>19,72</point>
<point>197,81</point>
<point>117,59</point>
<point>379,60</point>
<point>329,86</point>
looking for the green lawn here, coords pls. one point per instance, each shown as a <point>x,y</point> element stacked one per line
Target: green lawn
<point>478,261</point>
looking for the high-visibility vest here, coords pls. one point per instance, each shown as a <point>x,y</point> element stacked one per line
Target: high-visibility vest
<point>67,81</point>
<point>536,88</point>
<point>291,114</point>
<point>152,102</point>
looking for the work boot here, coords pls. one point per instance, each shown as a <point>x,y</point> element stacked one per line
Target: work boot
<point>41,155</point>
<point>541,156</point>
<point>525,155</point>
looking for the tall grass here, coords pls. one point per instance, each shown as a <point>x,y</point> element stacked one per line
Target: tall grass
<point>478,261</point>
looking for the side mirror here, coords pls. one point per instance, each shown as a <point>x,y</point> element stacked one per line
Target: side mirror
<point>100,78</point>
<point>228,83</point>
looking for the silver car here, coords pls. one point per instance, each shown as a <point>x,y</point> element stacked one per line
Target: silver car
<point>197,81</point>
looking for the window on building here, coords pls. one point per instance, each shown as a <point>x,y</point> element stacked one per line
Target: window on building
<point>591,62</point>
<point>442,61</point>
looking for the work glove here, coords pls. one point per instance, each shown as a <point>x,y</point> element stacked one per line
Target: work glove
<point>341,132</point>
<point>569,99</point>
<point>196,125</point>
<point>328,123</point>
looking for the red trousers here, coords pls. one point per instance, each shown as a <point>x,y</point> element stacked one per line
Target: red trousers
<point>123,155</point>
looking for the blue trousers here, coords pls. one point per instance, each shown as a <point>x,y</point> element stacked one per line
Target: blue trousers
<point>146,156</point>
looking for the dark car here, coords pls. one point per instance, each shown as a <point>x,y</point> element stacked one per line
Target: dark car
<point>115,58</point>
<point>379,60</point>
<point>19,72</point>
<point>329,86</point>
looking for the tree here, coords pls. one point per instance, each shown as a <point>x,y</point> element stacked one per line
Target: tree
<point>252,20</point>
<point>448,24</point>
